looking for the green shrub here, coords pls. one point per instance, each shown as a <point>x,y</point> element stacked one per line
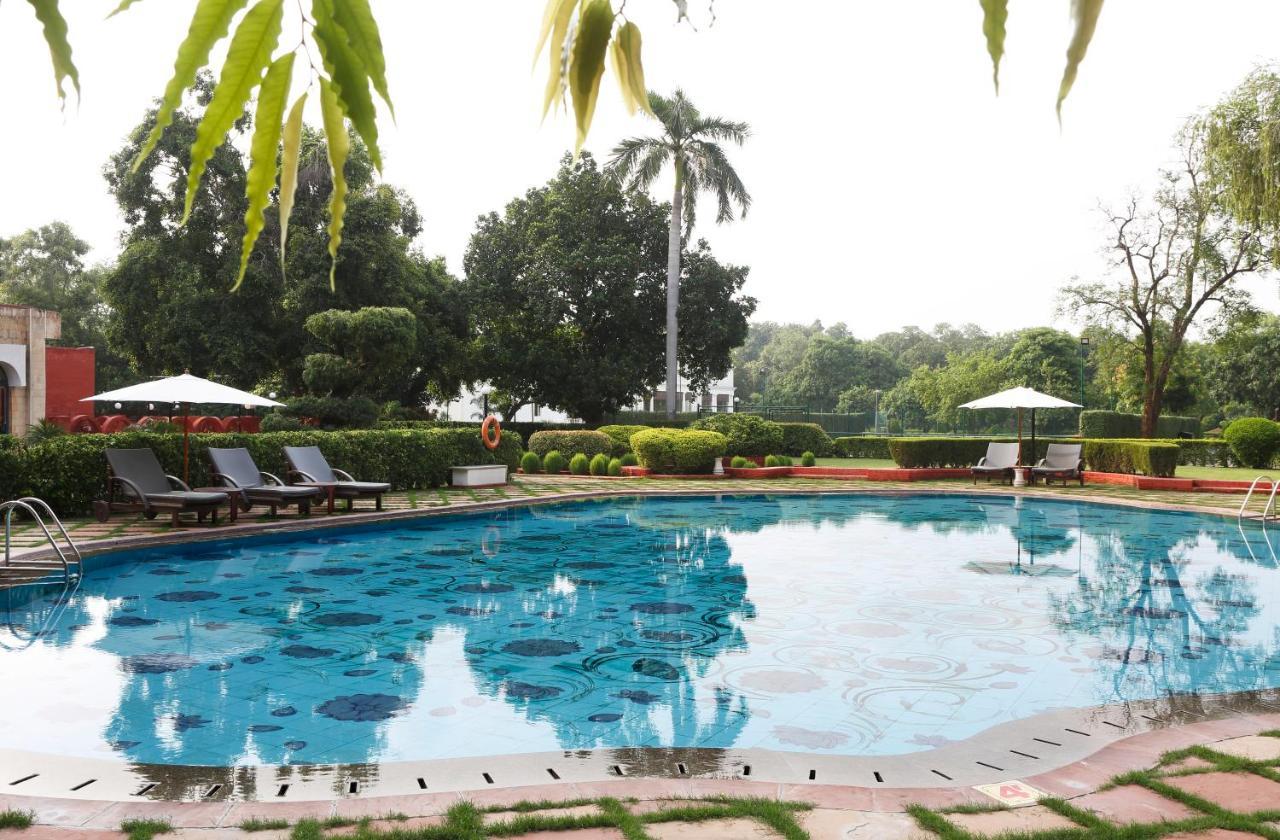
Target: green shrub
<point>530,463</point>
<point>42,431</point>
<point>615,466</point>
<point>335,412</point>
<point>1116,424</point>
<point>746,434</point>
<point>861,446</point>
<point>798,438</point>
<point>924,453</point>
<point>585,441</point>
<point>579,464</point>
<point>600,465</point>
<point>739,463</point>
<point>772,461</point>
<point>1254,440</point>
<point>1205,452</point>
<point>70,471</point>
<point>277,422</point>
<point>679,451</point>
<point>554,463</point>
<point>621,436</point>
<point>808,459</point>
<point>630,460</point>
<point>1131,457</point>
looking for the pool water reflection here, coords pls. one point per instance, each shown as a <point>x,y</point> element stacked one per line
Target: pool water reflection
<point>827,624</point>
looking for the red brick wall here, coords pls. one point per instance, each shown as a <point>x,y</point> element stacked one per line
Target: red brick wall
<point>69,372</point>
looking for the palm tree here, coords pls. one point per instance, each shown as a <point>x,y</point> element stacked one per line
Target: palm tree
<point>692,143</point>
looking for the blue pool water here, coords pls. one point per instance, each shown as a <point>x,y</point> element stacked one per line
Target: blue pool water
<point>826,624</point>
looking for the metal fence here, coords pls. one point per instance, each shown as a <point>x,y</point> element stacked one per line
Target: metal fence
<point>832,423</point>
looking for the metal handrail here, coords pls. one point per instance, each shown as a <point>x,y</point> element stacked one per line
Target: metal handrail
<point>1271,499</point>
<point>25,503</point>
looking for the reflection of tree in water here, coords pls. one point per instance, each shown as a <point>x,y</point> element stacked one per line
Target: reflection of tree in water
<point>1158,632</point>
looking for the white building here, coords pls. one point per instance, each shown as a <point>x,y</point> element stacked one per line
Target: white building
<point>718,398</point>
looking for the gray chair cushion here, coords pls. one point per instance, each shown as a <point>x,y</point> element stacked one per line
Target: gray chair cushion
<point>362,487</point>
<point>310,460</point>
<point>238,464</point>
<point>141,467</point>
<point>182,497</point>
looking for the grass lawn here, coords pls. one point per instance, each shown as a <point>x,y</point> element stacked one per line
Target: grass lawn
<point>864,463</point>
<point>1225,473</point>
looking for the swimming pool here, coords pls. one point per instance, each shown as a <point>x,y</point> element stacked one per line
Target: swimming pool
<point>855,624</point>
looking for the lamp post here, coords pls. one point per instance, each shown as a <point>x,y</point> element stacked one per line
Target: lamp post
<point>875,418</point>
<point>1084,346</point>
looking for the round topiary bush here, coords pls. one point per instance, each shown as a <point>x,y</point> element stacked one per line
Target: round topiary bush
<point>1254,440</point>
<point>772,461</point>
<point>746,434</point>
<point>740,463</point>
<point>678,451</point>
<point>599,465</point>
<point>530,463</point>
<point>615,466</point>
<point>579,464</point>
<point>630,460</point>
<point>808,459</point>
<point>554,463</point>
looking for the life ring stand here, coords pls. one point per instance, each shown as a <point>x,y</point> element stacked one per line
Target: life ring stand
<point>491,432</point>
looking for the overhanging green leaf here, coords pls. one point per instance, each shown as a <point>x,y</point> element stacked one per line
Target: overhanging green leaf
<point>209,25</point>
<point>595,26</point>
<point>289,169</point>
<point>994,15</point>
<point>348,76</point>
<point>356,18</point>
<point>124,4</point>
<point>628,38</point>
<point>55,35</point>
<point>261,176</point>
<point>250,52</point>
<point>1085,14</point>
<point>339,145</point>
<point>559,14</point>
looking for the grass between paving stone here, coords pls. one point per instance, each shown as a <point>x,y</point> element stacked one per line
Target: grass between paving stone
<point>255,824</point>
<point>145,829</point>
<point>9,818</point>
<point>466,822</point>
<point>1091,826</point>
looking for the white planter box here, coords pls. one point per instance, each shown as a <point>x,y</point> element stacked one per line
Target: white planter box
<point>486,475</point>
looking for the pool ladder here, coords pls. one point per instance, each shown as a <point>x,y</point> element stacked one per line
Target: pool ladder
<point>63,567</point>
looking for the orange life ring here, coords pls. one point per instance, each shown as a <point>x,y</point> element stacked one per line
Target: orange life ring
<point>491,432</point>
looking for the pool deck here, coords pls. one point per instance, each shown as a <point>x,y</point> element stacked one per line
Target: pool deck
<point>1066,755</point>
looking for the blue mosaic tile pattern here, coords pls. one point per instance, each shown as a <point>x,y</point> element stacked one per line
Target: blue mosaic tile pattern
<point>825,624</point>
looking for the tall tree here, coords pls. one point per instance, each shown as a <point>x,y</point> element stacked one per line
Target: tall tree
<point>1245,360</point>
<point>565,290</point>
<point>1175,255</point>
<point>691,143</point>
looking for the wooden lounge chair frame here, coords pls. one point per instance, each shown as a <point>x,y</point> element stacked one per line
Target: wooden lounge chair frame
<point>307,465</point>
<point>992,464</point>
<point>1068,465</point>
<point>268,489</point>
<point>126,495</point>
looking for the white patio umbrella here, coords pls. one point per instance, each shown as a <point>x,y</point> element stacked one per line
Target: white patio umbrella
<point>1021,398</point>
<point>186,390</point>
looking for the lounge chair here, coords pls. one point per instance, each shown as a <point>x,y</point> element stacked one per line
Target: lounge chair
<point>1000,460</point>
<point>1062,462</point>
<point>235,469</point>
<point>307,465</point>
<point>137,482</point>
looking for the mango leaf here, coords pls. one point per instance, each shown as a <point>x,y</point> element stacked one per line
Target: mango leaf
<point>356,18</point>
<point>595,26</point>
<point>55,35</point>
<point>124,4</point>
<point>994,15</point>
<point>248,55</point>
<point>261,176</point>
<point>208,26</point>
<point>1085,14</point>
<point>335,130</point>
<point>347,75</point>
<point>628,39</point>
<point>619,62</point>
<point>289,169</point>
<point>559,14</point>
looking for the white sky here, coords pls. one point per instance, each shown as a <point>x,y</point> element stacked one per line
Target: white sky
<point>891,186</point>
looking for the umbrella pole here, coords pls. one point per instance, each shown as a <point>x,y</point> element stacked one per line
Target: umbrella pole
<point>186,444</point>
<point>1019,436</point>
<point>1033,436</point>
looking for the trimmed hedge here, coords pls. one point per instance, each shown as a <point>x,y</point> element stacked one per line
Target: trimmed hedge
<point>1132,457</point>
<point>1116,424</point>
<point>582,441</point>
<point>799,438</point>
<point>1204,452</point>
<point>862,446</point>
<point>922,453</point>
<point>745,434</point>
<point>69,472</point>
<point>679,451</point>
<point>621,436</point>
<point>1254,440</point>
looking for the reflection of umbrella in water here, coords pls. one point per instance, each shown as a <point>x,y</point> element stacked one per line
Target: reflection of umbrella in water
<point>1044,528</point>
